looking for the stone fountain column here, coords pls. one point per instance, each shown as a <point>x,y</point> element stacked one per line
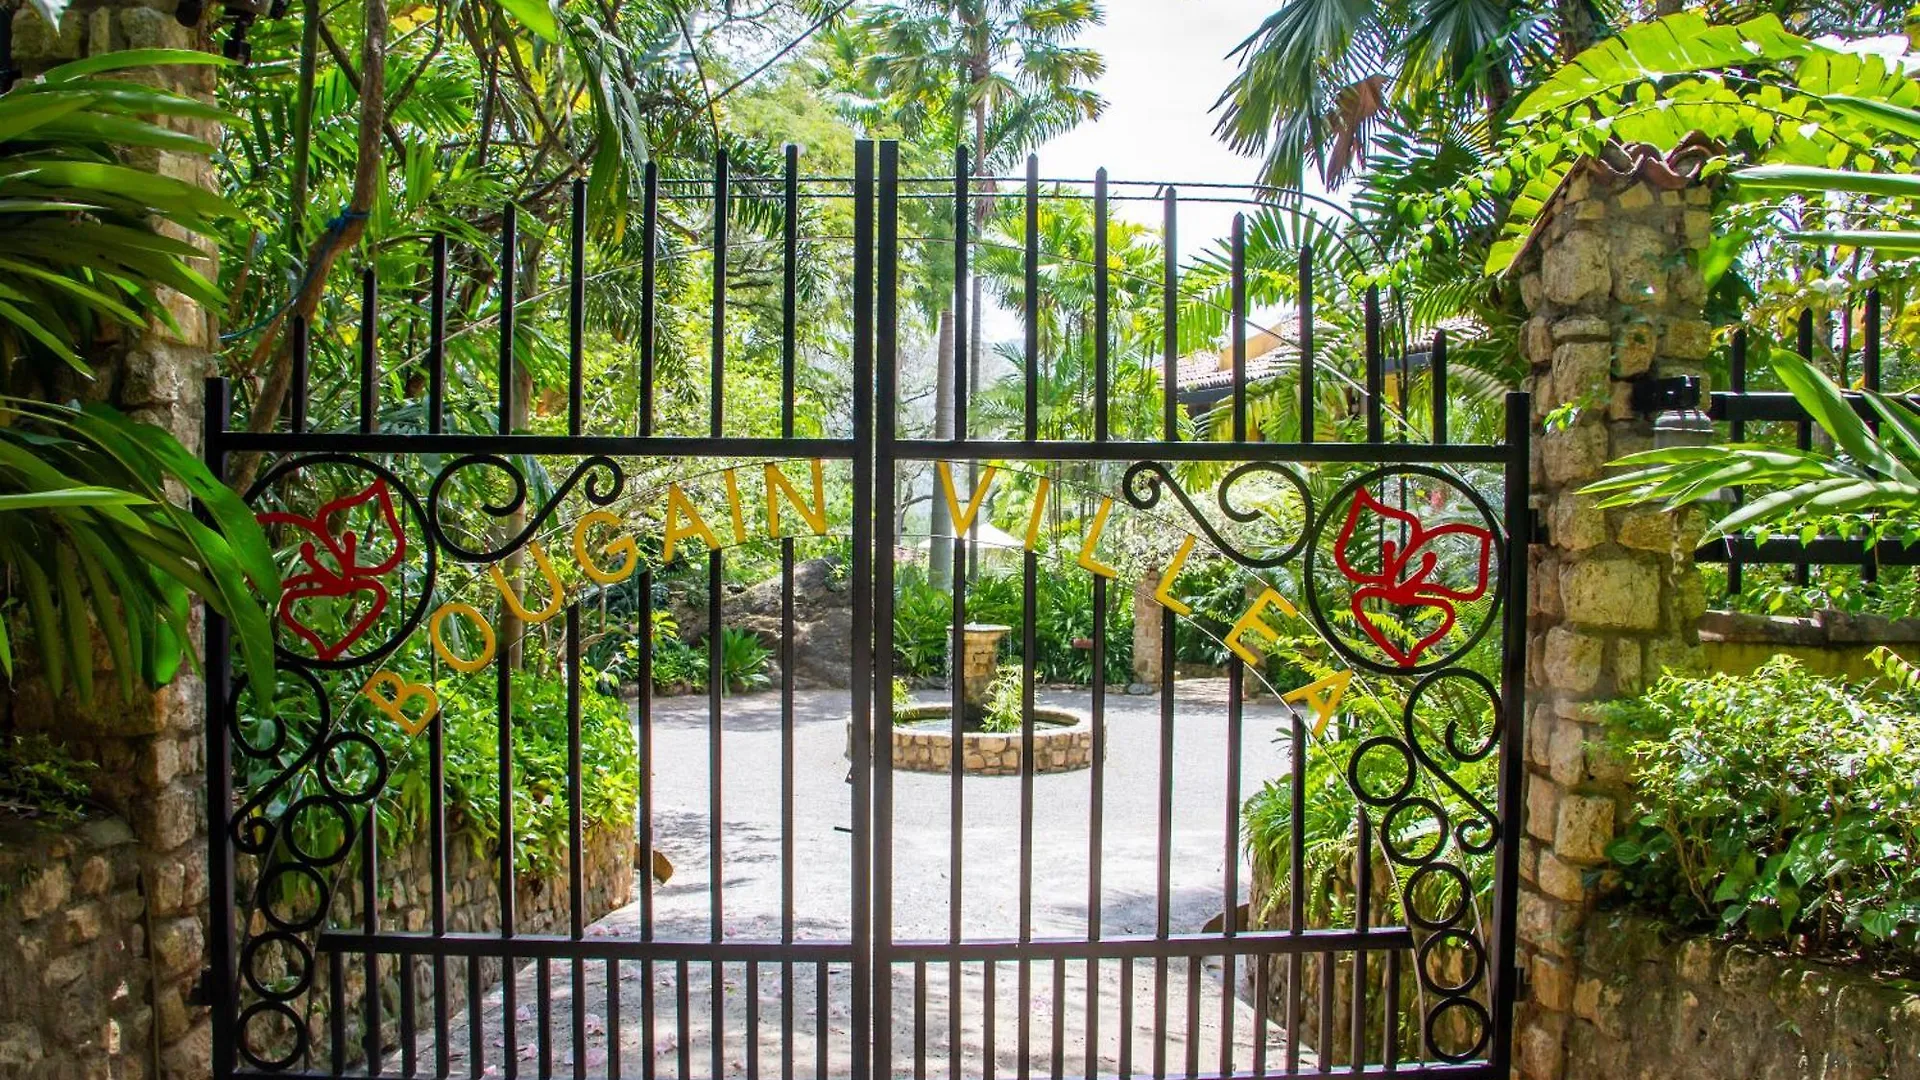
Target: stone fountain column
<point>980,651</point>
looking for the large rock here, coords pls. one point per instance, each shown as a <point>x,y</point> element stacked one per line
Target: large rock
<point>822,617</point>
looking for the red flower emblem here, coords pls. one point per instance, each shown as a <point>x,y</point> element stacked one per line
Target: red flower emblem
<point>1405,577</point>
<point>333,565</point>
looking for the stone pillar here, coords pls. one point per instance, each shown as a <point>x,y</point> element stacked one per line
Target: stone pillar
<point>1610,280</point>
<point>1147,614</point>
<point>151,751</point>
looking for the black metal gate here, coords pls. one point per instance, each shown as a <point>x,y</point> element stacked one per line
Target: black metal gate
<point>360,928</point>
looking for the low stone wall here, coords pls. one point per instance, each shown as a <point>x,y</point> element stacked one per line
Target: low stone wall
<point>405,895</point>
<point>1652,1003</point>
<point>76,964</point>
<point>1831,643</point>
<point>1061,747</point>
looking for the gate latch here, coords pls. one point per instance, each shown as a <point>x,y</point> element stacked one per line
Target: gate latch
<point>197,997</point>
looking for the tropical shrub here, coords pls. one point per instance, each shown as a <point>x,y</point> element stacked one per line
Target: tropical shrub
<point>922,624</point>
<point>40,781</point>
<point>744,660</point>
<point>1004,712</point>
<point>1778,805</point>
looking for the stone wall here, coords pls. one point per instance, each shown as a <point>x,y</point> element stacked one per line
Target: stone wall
<point>1615,297</point>
<point>405,894</point>
<point>1652,1003</point>
<point>76,970</point>
<point>152,771</point>
<point>1835,644</point>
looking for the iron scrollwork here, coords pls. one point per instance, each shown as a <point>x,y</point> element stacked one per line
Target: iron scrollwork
<point>1145,481</point>
<point>600,479</point>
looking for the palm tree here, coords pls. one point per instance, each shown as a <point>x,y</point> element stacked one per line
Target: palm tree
<point>1003,74</point>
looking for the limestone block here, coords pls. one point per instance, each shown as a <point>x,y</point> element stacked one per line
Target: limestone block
<point>1575,524</point>
<point>1567,753</point>
<point>1635,197</point>
<point>1582,328</point>
<point>1640,254</point>
<point>1583,829</point>
<point>1552,983</point>
<point>1687,339</point>
<point>1574,454</point>
<point>1575,270</point>
<point>1633,355</point>
<point>35,44</point>
<point>1571,660</point>
<point>1611,594</point>
<point>1646,529</point>
<point>176,946</point>
<point>1543,806</point>
<point>46,892</point>
<point>1547,924</point>
<point>1581,369</point>
<point>1624,663</point>
<point>1559,879</point>
<point>1543,584</point>
<point>1536,340</point>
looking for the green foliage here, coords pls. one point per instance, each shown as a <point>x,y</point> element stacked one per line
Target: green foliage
<point>1005,711</point>
<point>1778,805</point>
<point>922,624</point>
<point>1870,485</point>
<point>1063,606</point>
<point>93,537</point>
<point>902,694</point>
<point>39,780</point>
<point>85,249</point>
<point>744,660</point>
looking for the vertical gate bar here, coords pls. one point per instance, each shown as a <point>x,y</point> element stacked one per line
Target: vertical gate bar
<point>919,1020</point>
<point>503,709</point>
<point>683,1018</point>
<point>1059,1017</point>
<point>1323,1045</point>
<point>613,1015</point>
<point>1513,705</point>
<point>1870,381</point>
<point>337,1013</point>
<point>1803,430</point>
<point>577,309</point>
<point>862,602</point>
<point>576,842</point>
<point>1390,1053</point>
<point>476,1016</point>
<point>1376,370</point>
<point>297,399</point>
<point>370,921</point>
<point>543,1014</point>
<point>1096,805</point>
<point>649,259</point>
<point>716,413</point>
<point>962,229</point>
<point>216,402</point>
<point>822,1046</point>
<point>1193,1015</point>
<point>1230,884</point>
<point>956,653</point>
<point>1262,986</point>
<point>643,702</point>
<point>369,350</point>
<point>409,1066</point>
<point>1737,432</point>
<point>886,395</point>
<point>1170,316</point>
<point>509,257</point>
<point>716,874</point>
<point>989,1012</point>
<point>753,1020</point>
<point>437,338</point>
<point>1237,332</point>
<point>1029,656</point>
<point>789,329</point>
<point>1438,386</point>
<point>1124,1066</point>
<point>1030,302</point>
<point>1362,920</point>
<point>1100,304</point>
<point>1306,346</point>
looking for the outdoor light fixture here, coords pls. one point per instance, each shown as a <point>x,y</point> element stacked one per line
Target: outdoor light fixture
<point>1678,419</point>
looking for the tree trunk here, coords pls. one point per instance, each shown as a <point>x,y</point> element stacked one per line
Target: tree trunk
<point>940,522</point>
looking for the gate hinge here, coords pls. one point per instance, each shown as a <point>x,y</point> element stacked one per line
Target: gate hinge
<point>1536,526</point>
<point>1522,984</point>
<point>198,997</point>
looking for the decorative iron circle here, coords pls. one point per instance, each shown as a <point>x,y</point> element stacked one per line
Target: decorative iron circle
<point>1452,735</point>
<point>1482,1022</point>
<point>290,924</point>
<point>345,576</point>
<point>1392,582</point>
<point>1389,830</point>
<point>246,1040</point>
<point>257,981</point>
<point>1405,788</point>
<point>1410,893</point>
<point>334,806</point>
<point>331,785</point>
<point>1477,952</point>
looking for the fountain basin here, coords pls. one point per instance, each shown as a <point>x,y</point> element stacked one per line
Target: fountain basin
<point>922,741</point>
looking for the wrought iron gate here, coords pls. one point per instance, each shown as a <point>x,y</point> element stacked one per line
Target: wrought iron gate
<point>339,947</point>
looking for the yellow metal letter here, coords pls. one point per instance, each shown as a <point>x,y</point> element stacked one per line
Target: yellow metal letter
<point>1164,593</point>
<point>678,507</point>
<point>1039,508</point>
<point>963,521</point>
<point>623,544</point>
<point>473,615</point>
<point>1322,696</point>
<point>778,484</point>
<point>1087,561</point>
<point>733,505</point>
<point>395,706</point>
<point>1250,623</point>
<point>556,593</point>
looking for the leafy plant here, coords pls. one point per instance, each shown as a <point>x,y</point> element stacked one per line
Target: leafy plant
<point>1779,805</point>
<point>84,241</point>
<point>922,622</point>
<point>744,660</point>
<point>40,780</point>
<point>1871,485</point>
<point>1004,712</point>
<point>89,529</point>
